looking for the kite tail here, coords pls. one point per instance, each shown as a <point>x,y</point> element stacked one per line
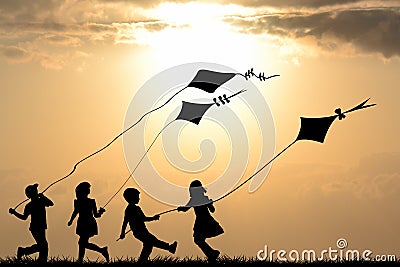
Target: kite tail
<point>137,165</point>
<point>261,76</point>
<point>104,147</point>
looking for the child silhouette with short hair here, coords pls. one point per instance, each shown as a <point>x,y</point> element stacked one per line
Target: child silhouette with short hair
<point>205,226</point>
<point>136,219</point>
<point>36,208</point>
<point>86,227</point>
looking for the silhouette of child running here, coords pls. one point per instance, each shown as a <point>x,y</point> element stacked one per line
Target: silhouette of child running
<point>136,219</point>
<point>36,208</point>
<point>205,226</point>
<point>86,226</point>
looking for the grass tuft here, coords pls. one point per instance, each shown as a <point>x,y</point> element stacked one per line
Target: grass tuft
<point>172,261</point>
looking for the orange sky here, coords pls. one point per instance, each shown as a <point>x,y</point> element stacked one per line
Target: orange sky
<point>69,69</point>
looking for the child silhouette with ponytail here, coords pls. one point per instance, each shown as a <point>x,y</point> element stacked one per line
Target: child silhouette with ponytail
<point>86,227</point>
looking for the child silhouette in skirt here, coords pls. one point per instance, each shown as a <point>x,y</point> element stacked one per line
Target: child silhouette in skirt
<point>86,226</point>
<point>205,226</point>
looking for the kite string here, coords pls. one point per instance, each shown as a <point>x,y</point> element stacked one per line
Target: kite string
<point>137,165</point>
<point>104,147</point>
<point>236,188</point>
<point>175,209</point>
<point>244,182</point>
<point>164,212</point>
<point>361,106</point>
<point>254,174</point>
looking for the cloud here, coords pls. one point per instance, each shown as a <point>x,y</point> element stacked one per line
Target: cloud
<point>53,45</point>
<point>375,177</point>
<point>48,31</point>
<point>292,3</point>
<point>155,26</point>
<point>369,30</point>
<point>76,34</point>
<point>22,11</point>
<point>62,40</point>
<point>246,3</point>
<point>15,54</point>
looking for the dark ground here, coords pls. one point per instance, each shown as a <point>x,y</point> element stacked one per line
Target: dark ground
<point>167,261</point>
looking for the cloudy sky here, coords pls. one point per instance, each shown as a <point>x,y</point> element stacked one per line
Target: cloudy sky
<point>69,69</point>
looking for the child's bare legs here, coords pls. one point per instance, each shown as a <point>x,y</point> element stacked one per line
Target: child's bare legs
<point>84,244</point>
<point>211,253</point>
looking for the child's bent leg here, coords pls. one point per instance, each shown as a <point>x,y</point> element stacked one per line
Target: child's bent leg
<point>30,250</point>
<point>93,247</point>
<point>158,243</point>
<point>201,243</point>
<point>161,244</point>
<point>103,250</point>
<point>40,246</point>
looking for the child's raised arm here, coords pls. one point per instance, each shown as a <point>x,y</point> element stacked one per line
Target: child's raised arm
<point>46,200</point>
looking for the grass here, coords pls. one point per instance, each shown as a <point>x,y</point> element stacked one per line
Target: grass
<point>172,261</point>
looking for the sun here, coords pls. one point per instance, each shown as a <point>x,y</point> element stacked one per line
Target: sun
<point>198,32</point>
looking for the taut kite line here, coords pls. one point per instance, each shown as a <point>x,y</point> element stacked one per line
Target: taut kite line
<point>205,80</point>
<point>312,129</point>
<point>190,112</point>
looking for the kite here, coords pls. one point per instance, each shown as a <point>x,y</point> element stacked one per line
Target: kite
<point>193,112</point>
<point>205,80</point>
<point>209,81</point>
<point>312,129</point>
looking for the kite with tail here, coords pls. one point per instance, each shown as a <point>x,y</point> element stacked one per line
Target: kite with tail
<point>205,80</point>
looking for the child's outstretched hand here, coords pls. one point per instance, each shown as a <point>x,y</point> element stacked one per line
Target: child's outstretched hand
<point>183,208</point>
<point>11,211</point>
<point>122,236</point>
<point>156,217</point>
<point>101,211</point>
